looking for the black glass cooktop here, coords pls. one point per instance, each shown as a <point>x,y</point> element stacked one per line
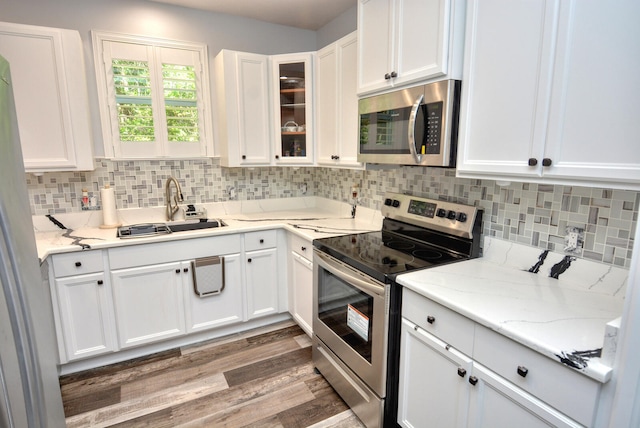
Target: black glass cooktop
<point>383,255</point>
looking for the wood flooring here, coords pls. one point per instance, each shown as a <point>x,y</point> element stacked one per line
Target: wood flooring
<point>263,378</point>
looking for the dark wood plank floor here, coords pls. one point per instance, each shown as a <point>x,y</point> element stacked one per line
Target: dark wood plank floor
<point>263,378</point>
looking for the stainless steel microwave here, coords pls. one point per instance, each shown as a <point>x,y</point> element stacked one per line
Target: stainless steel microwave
<point>413,126</point>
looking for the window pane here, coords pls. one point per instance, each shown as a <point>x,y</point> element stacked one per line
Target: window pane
<point>180,97</point>
<point>133,99</point>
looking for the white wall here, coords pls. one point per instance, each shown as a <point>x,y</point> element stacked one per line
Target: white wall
<point>341,26</point>
<point>142,17</point>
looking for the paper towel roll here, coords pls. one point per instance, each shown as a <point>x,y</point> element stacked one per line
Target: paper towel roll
<point>109,215</point>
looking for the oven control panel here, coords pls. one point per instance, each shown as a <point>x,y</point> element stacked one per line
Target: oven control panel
<point>449,217</point>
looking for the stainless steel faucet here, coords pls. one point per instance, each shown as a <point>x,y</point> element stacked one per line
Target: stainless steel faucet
<point>172,199</point>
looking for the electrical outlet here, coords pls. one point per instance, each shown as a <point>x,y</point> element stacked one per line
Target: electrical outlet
<point>303,188</point>
<point>573,239</point>
<point>231,192</point>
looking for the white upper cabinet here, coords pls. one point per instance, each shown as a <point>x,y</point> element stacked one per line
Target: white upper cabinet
<point>243,109</point>
<point>50,91</point>
<point>407,41</point>
<point>546,98</point>
<point>337,104</point>
<point>292,80</point>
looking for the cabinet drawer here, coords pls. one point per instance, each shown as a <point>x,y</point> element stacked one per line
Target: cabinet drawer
<point>563,388</point>
<point>301,246</point>
<point>445,324</point>
<point>260,240</point>
<point>77,263</point>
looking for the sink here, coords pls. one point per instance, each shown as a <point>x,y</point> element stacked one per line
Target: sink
<point>182,226</point>
<point>153,229</point>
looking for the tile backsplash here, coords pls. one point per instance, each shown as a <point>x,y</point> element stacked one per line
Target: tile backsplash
<point>538,215</point>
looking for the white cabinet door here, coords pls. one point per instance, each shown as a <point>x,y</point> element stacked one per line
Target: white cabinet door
<point>536,104</point>
<point>302,291</point>
<point>86,316</point>
<point>261,268</point>
<point>337,104</point>
<point>497,403</point>
<point>506,86</point>
<point>406,41</point>
<point>50,91</point>
<point>292,80</point>
<point>217,309</point>
<point>593,120</point>
<point>433,388</point>
<point>243,108</point>
<point>148,303</point>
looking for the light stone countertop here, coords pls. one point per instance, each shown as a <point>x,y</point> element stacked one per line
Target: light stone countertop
<point>564,319</point>
<point>308,217</point>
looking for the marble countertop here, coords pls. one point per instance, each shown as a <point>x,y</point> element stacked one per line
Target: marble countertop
<point>308,217</point>
<point>570,319</point>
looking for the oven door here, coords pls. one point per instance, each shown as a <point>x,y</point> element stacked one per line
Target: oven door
<point>350,317</point>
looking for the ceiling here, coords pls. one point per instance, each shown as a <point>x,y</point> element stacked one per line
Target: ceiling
<point>307,14</point>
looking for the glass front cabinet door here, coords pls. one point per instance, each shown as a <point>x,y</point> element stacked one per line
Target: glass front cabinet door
<point>293,101</point>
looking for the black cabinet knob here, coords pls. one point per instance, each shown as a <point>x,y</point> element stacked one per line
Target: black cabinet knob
<point>248,260</point>
<point>394,74</point>
<point>262,241</point>
<point>523,371</point>
<point>473,380</point>
<point>100,282</point>
<point>462,372</point>
<point>185,270</point>
<point>303,248</point>
<point>78,264</point>
<point>431,319</point>
<point>546,162</point>
<point>177,270</point>
<point>244,157</point>
<point>277,157</point>
<point>533,161</point>
<point>387,76</point>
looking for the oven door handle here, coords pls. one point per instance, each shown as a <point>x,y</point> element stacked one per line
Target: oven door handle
<point>344,274</point>
<point>412,129</point>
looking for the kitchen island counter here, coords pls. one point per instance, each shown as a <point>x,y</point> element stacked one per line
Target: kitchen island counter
<point>571,319</point>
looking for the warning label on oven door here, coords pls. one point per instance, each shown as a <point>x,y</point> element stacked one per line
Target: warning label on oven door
<point>358,322</point>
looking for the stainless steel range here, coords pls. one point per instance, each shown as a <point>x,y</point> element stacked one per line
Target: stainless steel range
<point>356,314</point>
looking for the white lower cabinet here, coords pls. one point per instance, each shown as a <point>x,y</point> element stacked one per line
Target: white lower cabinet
<point>148,302</point>
<point>429,373</point>
<point>501,384</point>
<point>85,316</point>
<point>262,273</point>
<point>301,282</point>
<point>217,310</point>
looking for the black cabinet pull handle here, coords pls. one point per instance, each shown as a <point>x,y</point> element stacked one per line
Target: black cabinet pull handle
<point>546,162</point>
<point>462,372</point>
<point>473,380</point>
<point>78,264</point>
<point>177,270</point>
<point>262,241</point>
<point>431,319</point>
<point>523,371</point>
<point>100,282</point>
<point>533,161</point>
<point>248,260</point>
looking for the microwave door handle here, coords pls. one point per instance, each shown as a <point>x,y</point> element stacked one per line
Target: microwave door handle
<point>412,129</point>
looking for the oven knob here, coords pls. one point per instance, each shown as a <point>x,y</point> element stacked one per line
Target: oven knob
<point>451,215</point>
<point>395,203</point>
<point>462,217</point>
<point>441,212</point>
<point>388,202</point>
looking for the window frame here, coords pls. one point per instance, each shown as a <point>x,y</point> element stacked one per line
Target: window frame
<point>155,49</point>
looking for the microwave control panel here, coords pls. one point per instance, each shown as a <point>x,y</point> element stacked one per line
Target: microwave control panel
<point>433,128</point>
